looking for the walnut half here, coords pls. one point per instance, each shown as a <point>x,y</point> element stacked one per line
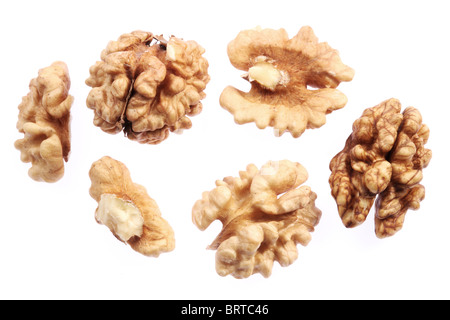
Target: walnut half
<point>127,210</point>
<point>258,226</point>
<point>44,119</point>
<point>382,160</point>
<point>147,86</point>
<point>282,72</point>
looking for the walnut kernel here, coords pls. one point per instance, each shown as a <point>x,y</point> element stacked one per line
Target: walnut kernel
<point>280,71</point>
<point>147,86</point>
<point>258,226</point>
<point>381,162</point>
<point>127,210</point>
<point>44,119</point>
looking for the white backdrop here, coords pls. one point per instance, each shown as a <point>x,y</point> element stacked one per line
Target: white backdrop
<point>52,248</point>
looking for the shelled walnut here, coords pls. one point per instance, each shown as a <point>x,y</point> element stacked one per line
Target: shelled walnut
<point>258,226</point>
<point>147,86</point>
<point>281,72</point>
<point>127,210</point>
<point>44,119</point>
<point>384,157</point>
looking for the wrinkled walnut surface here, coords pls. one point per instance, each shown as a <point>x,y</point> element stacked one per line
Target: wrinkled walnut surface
<point>44,119</point>
<point>258,226</point>
<point>111,177</point>
<point>147,86</point>
<point>381,162</point>
<point>280,71</point>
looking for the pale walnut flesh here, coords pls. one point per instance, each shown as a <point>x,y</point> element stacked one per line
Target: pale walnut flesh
<point>147,86</point>
<point>121,216</point>
<point>127,210</point>
<point>282,72</point>
<point>265,214</point>
<point>381,163</point>
<point>44,119</point>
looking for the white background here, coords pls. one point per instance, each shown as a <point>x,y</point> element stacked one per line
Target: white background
<point>52,248</point>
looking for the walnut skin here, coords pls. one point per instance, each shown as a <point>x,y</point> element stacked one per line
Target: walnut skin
<point>44,119</point>
<point>147,86</point>
<point>126,208</point>
<point>384,157</point>
<point>259,227</point>
<point>280,71</point>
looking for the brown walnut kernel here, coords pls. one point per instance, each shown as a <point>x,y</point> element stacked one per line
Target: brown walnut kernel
<point>258,226</point>
<point>147,86</point>
<point>44,119</point>
<point>127,210</point>
<point>384,156</point>
<point>281,72</point>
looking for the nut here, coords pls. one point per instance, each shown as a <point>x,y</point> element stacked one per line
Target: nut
<point>258,226</point>
<point>44,119</point>
<point>281,72</point>
<point>384,156</point>
<point>127,210</point>
<point>147,86</point>
<point>121,216</point>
